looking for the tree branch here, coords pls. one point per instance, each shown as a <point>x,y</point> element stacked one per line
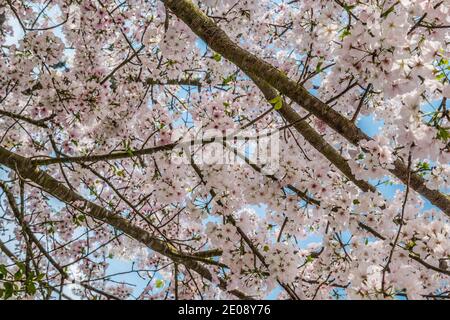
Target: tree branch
<point>25,168</point>
<point>219,41</point>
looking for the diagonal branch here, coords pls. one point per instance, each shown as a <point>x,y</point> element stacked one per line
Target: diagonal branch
<point>219,41</point>
<point>27,170</point>
<point>310,135</point>
<point>241,232</point>
<point>362,225</point>
<point>38,123</point>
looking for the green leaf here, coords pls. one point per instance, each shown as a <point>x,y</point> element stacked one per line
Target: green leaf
<point>266,248</point>
<point>442,62</point>
<point>348,7</point>
<point>217,57</point>
<point>130,152</point>
<point>30,288</point>
<point>79,219</point>
<point>119,172</point>
<point>18,275</point>
<point>319,66</point>
<point>410,245</point>
<point>128,148</point>
<point>3,270</point>
<point>440,76</point>
<point>9,290</point>
<point>388,11</point>
<point>277,102</point>
<point>229,79</point>
<point>423,166</point>
<point>344,33</point>
<point>40,276</point>
<point>443,134</point>
<point>22,266</point>
<point>159,283</point>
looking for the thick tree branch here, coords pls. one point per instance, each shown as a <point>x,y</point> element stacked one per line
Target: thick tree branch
<point>310,135</point>
<point>27,170</point>
<point>219,41</point>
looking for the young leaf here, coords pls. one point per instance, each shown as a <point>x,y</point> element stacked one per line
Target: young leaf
<point>277,102</point>
<point>159,283</point>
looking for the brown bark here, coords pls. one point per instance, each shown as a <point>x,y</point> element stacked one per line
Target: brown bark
<point>218,40</point>
<point>24,167</point>
<point>311,135</point>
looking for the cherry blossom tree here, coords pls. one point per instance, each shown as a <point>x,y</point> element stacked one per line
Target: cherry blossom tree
<point>95,96</point>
